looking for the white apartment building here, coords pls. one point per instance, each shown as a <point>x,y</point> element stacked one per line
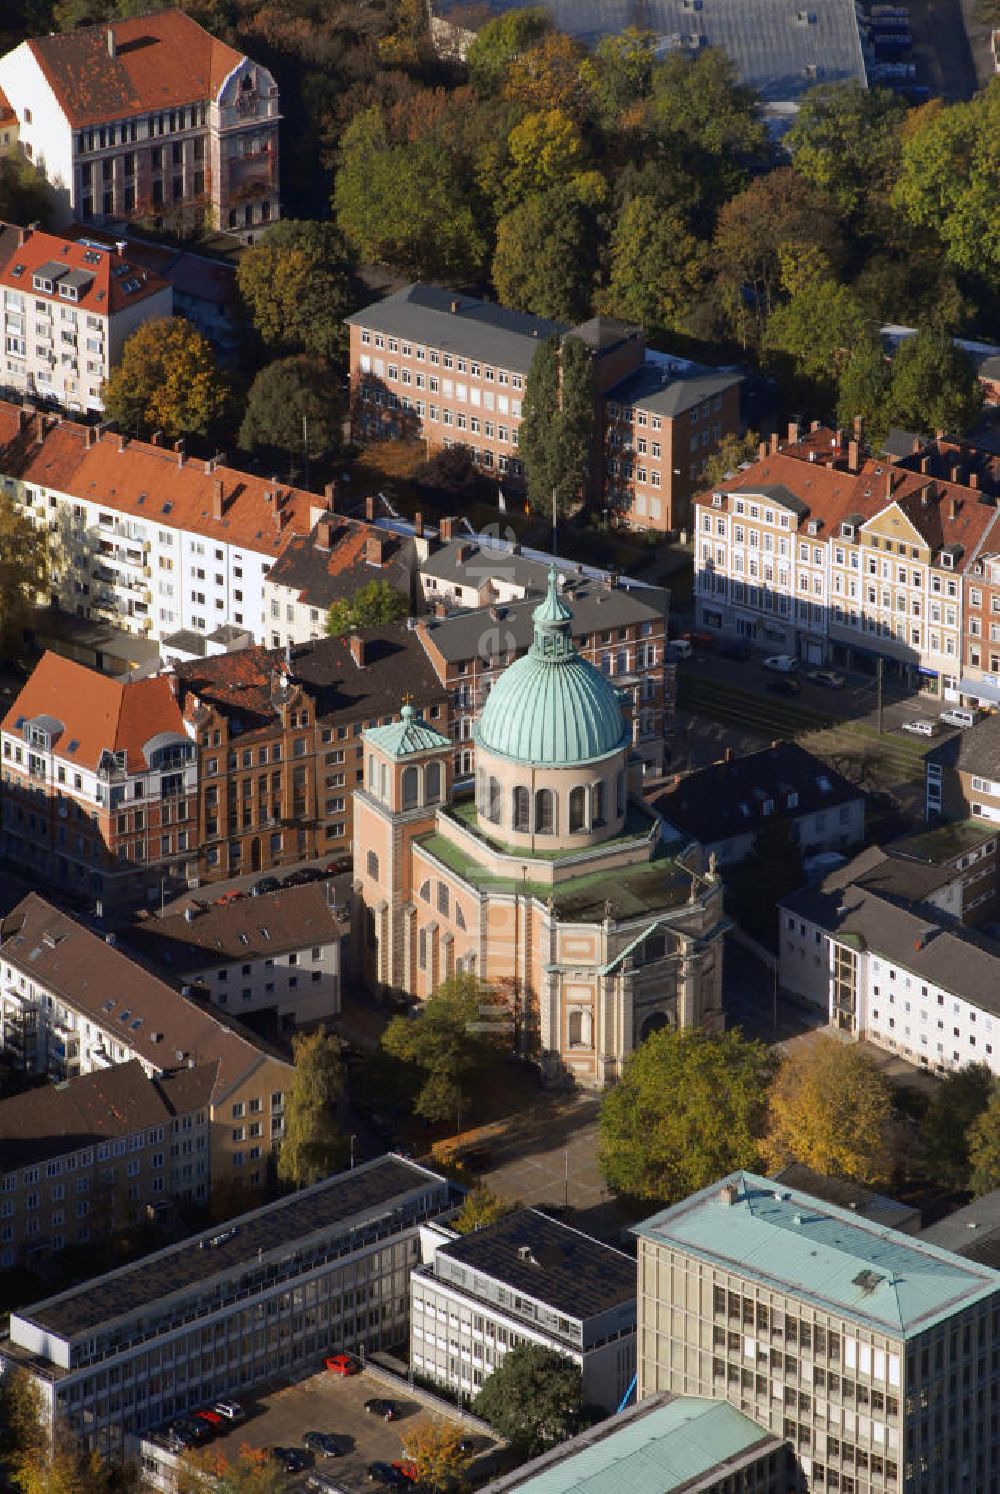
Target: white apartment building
<point>526,1279</point>
<point>68,308</point>
<point>870,1352</point>
<point>898,977</point>
<point>144,536</point>
<point>147,117</point>
<point>835,564</point>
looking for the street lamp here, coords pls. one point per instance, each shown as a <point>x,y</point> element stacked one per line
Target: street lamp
<point>353,1140</point>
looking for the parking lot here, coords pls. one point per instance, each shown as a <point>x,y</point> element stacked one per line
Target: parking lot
<point>329,1403</point>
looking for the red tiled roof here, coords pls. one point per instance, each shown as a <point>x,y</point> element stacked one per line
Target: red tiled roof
<point>830,493</point>
<point>160,61</point>
<point>98,713</point>
<point>953,514</point>
<point>151,483</point>
<point>7,115</point>
<point>110,273</point>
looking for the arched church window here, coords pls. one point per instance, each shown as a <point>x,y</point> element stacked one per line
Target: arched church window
<point>425,890</point>
<point>620,794</point>
<point>459,916</point>
<point>578,808</point>
<point>493,812</point>
<point>597,804</point>
<point>411,787</point>
<point>372,866</point>
<point>432,783</point>
<point>545,812</point>
<point>520,816</point>
<point>372,779</point>
<point>580,1028</point>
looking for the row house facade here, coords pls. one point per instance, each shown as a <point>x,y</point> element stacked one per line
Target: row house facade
<point>148,118</point>
<point>843,561</point>
<point>99,784</point>
<point>452,369</point>
<point>68,308</point>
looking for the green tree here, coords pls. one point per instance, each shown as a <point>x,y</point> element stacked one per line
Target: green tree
<point>313,1145</point>
<point>706,123</point>
<point>733,451</point>
<point>831,1108</point>
<point>547,76</point>
<point>557,426</point>
<point>481,1207</point>
<point>405,204</point>
<point>499,44</point>
<point>25,196</point>
<point>534,1398</point>
<point>864,387</point>
<point>373,606</point>
<point>437,1451</point>
<point>297,284</point>
<point>845,139</point>
<point>657,266</point>
<point>984,1148</point>
<point>251,1471</point>
<point>934,385</point>
<point>22,1438</point>
<point>949,179</point>
<point>689,1108</point>
<point>959,1102</point>
<point>167,380</point>
<point>446,1044</point>
<point>287,393</point>
<point>545,150</point>
<point>814,333</point>
<point>545,258</point>
<point>618,73</point>
<point>24,570</point>
<point>771,872</point>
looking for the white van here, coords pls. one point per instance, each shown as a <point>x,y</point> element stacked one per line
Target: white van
<point>680,648</point>
<point>959,716</point>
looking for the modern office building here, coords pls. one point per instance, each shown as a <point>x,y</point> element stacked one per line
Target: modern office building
<point>526,1279</point>
<point>872,1353</point>
<point>670,1444</point>
<point>150,117</point>
<point>264,1294</point>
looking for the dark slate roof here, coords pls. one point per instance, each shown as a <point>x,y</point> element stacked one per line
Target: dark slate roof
<point>975,750</point>
<point>900,443</point>
<point>60,1118</point>
<point>478,329</point>
<point>568,1270</point>
<point>917,941</point>
<point>468,562</point>
<point>396,665</point>
<point>881,870</point>
<point>726,799</point>
<point>847,1194</point>
<point>322,575</point>
<point>652,387</point>
<point>596,608</point>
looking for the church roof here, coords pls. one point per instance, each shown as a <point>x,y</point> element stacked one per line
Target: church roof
<point>407,737</point>
<point>552,708</point>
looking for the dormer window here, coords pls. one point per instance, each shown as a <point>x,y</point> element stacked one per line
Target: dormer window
<point>848,531</point>
<point>813,526</point>
<point>39,283</point>
<point>717,500</point>
<point>68,292</point>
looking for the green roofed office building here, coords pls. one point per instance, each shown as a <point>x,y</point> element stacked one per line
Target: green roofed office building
<point>552,882</point>
<point>666,1445</point>
<point>873,1354</point>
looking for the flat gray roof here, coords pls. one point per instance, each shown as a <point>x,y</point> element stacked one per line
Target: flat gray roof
<point>652,387</point>
<point>476,329</point>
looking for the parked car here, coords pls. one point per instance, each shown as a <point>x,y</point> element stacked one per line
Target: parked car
<point>784,685</point>
<point>386,1475</point>
<point>231,1410</point>
<point>302,876</point>
<point>264,884</point>
<point>326,1444</point>
<point>289,1458</point>
<point>322,1483</point>
<point>212,1420</point>
<point>679,648</point>
<point>920,728</point>
<point>700,640</point>
<point>186,1430</point>
<point>379,1407</point>
<point>337,867</point>
<point>342,1364</point>
<point>828,677</point>
<point>781,663</point>
<point>960,716</point>
<point>229,897</point>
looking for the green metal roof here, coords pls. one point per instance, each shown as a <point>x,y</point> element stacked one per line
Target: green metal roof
<point>408,736</point>
<point>842,1263</point>
<point>552,708</point>
<point>652,1453</point>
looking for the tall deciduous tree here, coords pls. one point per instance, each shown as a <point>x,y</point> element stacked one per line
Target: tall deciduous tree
<point>297,284</point>
<point>500,43</point>
<point>934,385</point>
<point>313,1145</point>
<point>480,1208</point>
<point>657,266</point>
<point>437,1451</point>
<point>689,1108</point>
<point>831,1108</point>
<point>25,195</point>
<point>706,122</point>
<point>250,1471</point>
<point>533,1399</point>
<point>545,149</point>
<point>984,1148</point>
<point>958,1104</point>
<point>167,380</point>
<point>446,1044</point>
<point>557,426</point>
<point>22,1437</point>
<point>547,75</point>
<point>733,451</point>
<point>372,606</point>
<point>618,73</point>
<point>845,139</point>
<point>24,570</point>
<point>287,393</point>
<point>864,387</point>
<point>545,257</point>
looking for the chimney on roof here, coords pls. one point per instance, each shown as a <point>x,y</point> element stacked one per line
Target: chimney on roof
<point>728,1194</point>
<point>324,533</point>
<point>454,307</point>
<point>23,235</point>
<point>853,456</point>
<point>774,444</point>
<point>446,530</point>
<point>23,417</point>
<point>179,448</point>
<point>370,508</point>
<point>359,650</point>
<point>974,481</point>
<point>859,427</point>
<point>729,755</point>
<point>954,508</point>
<point>122,440</point>
<point>916,444</point>
<point>330,494</point>
<point>40,430</point>
<point>91,436</point>
<point>156,438</point>
<point>418,524</point>
<point>112,48</point>
<point>218,498</point>
<point>957,475</point>
<point>925,464</point>
<point>793,430</point>
<point>762,451</point>
<point>939,435</point>
<point>375,549</point>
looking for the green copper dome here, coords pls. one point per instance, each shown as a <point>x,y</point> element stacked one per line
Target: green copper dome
<point>552,708</point>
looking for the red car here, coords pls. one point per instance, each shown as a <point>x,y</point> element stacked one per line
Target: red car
<point>334,868</point>
<point>214,1420</point>
<point>229,897</point>
<point>699,640</point>
<point>341,1364</point>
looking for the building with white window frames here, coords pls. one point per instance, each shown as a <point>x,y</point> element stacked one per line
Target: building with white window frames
<point>873,1354</point>
<point>262,1295</point>
<point>526,1279</point>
